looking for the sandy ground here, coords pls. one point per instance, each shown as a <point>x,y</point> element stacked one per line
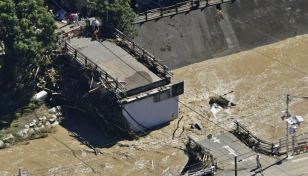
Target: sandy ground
<point>259,81</point>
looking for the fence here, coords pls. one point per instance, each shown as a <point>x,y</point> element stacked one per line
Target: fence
<point>151,62</point>
<point>293,141</point>
<point>74,55</point>
<point>175,9</point>
<point>204,155</point>
<point>253,141</point>
<point>207,171</point>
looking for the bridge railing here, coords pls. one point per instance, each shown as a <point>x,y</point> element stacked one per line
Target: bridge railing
<point>293,141</point>
<point>201,153</point>
<point>74,55</point>
<point>175,9</point>
<point>251,140</point>
<point>147,57</point>
<point>207,171</point>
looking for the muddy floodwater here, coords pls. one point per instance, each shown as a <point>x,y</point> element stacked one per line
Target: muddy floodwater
<point>258,80</point>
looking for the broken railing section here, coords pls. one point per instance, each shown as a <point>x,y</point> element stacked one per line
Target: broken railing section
<point>204,155</point>
<point>74,55</point>
<point>177,8</point>
<point>253,141</point>
<point>161,70</point>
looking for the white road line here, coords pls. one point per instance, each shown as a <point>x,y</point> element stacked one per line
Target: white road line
<point>230,150</point>
<point>298,160</point>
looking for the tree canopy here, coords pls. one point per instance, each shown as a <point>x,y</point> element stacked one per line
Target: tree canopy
<point>27,33</point>
<point>120,14</point>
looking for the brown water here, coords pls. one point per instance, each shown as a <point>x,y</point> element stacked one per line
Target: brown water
<point>260,83</point>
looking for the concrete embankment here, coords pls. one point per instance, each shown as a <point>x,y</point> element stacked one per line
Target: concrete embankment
<point>198,35</point>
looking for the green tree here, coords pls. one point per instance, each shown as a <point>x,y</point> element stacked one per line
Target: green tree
<point>120,14</point>
<point>27,33</point>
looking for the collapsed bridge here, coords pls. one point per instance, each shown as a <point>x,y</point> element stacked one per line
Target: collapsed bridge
<point>143,85</point>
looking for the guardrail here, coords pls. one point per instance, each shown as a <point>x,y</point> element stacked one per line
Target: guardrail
<point>152,62</point>
<point>175,9</point>
<point>202,152</point>
<point>251,140</point>
<point>207,171</point>
<point>293,141</point>
<point>74,55</point>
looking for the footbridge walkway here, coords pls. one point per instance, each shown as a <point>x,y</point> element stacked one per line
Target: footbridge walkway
<point>120,72</point>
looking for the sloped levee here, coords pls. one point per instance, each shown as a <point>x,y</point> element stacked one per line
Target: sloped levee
<point>198,35</point>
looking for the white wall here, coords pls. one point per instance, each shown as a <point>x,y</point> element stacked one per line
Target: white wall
<point>149,113</point>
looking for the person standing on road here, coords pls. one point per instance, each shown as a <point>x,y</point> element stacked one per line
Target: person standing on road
<point>258,161</point>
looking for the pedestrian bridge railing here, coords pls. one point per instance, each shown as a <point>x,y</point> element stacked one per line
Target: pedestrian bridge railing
<point>175,9</point>
<point>76,56</point>
<point>151,62</point>
<point>251,140</point>
<point>204,156</point>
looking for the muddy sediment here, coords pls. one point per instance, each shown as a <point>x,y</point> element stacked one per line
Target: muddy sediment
<point>259,83</point>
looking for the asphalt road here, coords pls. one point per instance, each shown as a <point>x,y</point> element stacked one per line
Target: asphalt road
<point>226,146</point>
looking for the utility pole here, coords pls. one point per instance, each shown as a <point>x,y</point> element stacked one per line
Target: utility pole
<point>153,167</point>
<point>288,115</point>
<point>235,165</point>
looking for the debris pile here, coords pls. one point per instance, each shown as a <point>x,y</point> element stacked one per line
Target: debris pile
<point>37,128</point>
<point>75,88</point>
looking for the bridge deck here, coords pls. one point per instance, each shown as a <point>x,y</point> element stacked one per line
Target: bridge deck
<point>116,61</point>
<point>225,146</point>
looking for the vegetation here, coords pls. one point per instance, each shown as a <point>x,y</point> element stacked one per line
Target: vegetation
<point>120,14</point>
<point>27,36</point>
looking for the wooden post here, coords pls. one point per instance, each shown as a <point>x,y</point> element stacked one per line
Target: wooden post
<point>207,2</point>
<point>146,15</point>
<point>272,148</point>
<point>143,54</point>
<point>279,144</point>
<point>192,3</point>
<point>161,12</point>
<point>293,141</point>
<point>116,84</point>
<point>85,61</point>
<point>95,66</point>
<point>65,46</point>
<point>75,54</point>
<point>106,76</point>
<point>133,45</point>
<point>177,8</point>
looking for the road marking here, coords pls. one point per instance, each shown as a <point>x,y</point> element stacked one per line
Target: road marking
<point>216,140</point>
<point>230,150</point>
<point>243,160</point>
<point>298,160</point>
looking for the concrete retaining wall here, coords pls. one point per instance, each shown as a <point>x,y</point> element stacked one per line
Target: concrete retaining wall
<point>196,36</point>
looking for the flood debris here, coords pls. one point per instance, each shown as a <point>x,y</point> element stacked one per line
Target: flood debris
<point>81,89</point>
<point>221,101</point>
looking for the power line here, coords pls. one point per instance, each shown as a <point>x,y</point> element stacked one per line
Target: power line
<point>198,113</point>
